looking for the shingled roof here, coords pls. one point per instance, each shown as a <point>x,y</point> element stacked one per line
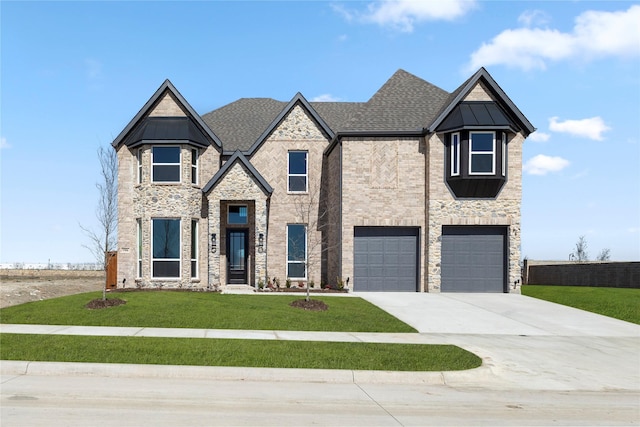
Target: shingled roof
<point>405,103</point>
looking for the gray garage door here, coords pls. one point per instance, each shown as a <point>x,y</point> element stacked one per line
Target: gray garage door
<point>385,259</point>
<point>473,259</point>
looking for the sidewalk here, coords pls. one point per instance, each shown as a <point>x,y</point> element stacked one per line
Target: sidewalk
<point>9,367</point>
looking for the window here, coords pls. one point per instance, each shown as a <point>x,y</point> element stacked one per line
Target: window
<point>455,154</point>
<point>194,166</point>
<point>237,214</point>
<point>166,164</point>
<point>296,251</point>
<point>194,248</point>
<point>166,248</point>
<point>504,154</point>
<point>482,152</point>
<point>139,226</point>
<point>139,157</point>
<point>297,171</point>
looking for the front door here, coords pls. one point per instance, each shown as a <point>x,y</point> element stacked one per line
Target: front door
<point>237,245</point>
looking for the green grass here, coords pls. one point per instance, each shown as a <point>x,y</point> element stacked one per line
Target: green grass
<point>226,352</point>
<point>201,310</point>
<point>620,303</point>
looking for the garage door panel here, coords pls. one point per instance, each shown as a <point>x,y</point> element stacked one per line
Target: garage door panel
<point>473,259</point>
<point>385,259</point>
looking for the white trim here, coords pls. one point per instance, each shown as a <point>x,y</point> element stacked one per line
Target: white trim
<point>493,152</point>
<point>139,247</point>
<point>306,254</point>
<point>195,225</point>
<point>455,160</point>
<point>179,164</point>
<point>194,166</point>
<point>504,154</point>
<point>139,159</point>
<point>179,259</point>
<point>306,174</point>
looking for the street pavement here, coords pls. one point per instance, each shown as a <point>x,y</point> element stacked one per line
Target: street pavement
<point>543,364</point>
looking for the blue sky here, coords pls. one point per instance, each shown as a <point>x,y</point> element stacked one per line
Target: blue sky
<point>73,74</point>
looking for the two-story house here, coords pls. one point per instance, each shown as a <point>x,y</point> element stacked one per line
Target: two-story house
<point>416,189</point>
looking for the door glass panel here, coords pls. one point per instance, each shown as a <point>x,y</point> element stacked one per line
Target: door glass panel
<point>236,250</point>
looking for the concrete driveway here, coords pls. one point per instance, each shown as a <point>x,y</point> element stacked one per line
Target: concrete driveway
<point>526,343</point>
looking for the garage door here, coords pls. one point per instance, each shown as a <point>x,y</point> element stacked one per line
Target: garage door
<point>385,259</point>
<point>473,259</point>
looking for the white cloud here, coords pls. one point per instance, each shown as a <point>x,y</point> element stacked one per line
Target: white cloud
<point>4,144</point>
<point>531,17</point>
<point>403,14</point>
<point>538,136</point>
<point>326,97</point>
<point>541,164</point>
<point>595,35</point>
<point>591,128</point>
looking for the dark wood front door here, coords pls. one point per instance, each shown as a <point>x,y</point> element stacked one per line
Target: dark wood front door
<point>237,253</point>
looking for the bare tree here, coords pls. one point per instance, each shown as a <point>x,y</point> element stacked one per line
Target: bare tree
<point>580,254</point>
<point>104,240</point>
<point>604,255</point>
<point>313,212</point>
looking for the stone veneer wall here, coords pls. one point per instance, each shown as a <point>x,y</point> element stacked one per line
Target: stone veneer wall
<point>297,131</point>
<point>334,203</point>
<point>147,200</point>
<point>237,186</point>
<point>383,184</point>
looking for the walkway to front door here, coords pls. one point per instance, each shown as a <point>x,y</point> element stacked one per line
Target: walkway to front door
<point>237,245</point>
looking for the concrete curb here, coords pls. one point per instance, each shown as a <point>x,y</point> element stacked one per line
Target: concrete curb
<point>223,373</point>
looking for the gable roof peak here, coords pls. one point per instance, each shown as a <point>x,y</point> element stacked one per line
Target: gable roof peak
<point>165,87</point>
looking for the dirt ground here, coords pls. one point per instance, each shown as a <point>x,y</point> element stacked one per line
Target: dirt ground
<point>16,290</point>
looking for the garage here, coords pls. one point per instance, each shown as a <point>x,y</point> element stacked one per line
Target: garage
<point>474,259</point>
<point>386,259</point>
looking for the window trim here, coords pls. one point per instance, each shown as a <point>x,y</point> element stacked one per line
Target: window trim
<point>195,159</point>
<point>139,158</point>
<point>306,174</point>
<point>504,154</point>
<point>306,253</point>
<point>194,249</point>
<point>241,205</point>
<point>179,259</point>
<point>455,154</point>
<point>178,164</point>
<point>493,153</point>
<point>139,246</point>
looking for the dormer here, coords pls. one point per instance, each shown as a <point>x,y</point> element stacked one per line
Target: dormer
<point>477,125</point>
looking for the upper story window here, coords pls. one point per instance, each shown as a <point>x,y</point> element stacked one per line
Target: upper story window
<point>482,153</point>
<point>476,162</point>
<point>297,171</point>
<point>194,166</point>
<point>455,154</point>
<point>166,164</point>
<point>139,158</point>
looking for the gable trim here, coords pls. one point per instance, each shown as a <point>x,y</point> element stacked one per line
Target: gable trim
<point>483,74</point>
<point>238,157</point>
<point>166,87</point>
<point>297,99</point>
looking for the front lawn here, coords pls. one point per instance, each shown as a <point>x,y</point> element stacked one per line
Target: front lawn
<point>227,352</point>
<point>203,310</point>
<point>620,303</point>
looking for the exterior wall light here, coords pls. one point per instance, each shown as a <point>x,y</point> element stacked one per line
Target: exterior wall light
<point>213,243</point>
<point>261,243</point>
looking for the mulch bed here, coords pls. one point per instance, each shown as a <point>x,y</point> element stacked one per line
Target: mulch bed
<point>100,303</point>
<point>311,305</point>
